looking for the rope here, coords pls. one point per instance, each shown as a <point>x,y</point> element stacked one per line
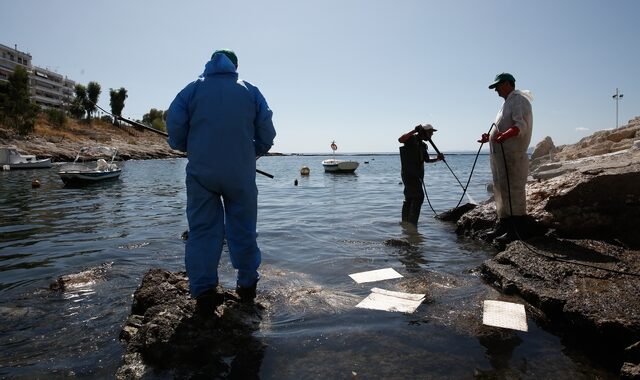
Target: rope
<point>464,188</point>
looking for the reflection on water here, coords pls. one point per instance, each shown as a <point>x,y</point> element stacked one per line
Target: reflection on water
<point>312,235</point>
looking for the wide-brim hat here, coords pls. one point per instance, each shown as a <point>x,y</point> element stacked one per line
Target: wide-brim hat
<point>501,78</point>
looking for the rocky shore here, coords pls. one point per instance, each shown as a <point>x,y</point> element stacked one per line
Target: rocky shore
<point>581,268</point>
<point>63,143</point>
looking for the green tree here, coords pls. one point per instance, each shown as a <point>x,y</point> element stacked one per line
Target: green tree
<point>156,119</point>
<point>117,101</point>
<point>17,110</point>
<point>159,124</point>
<point>77,107</point>
<point>93,93</point>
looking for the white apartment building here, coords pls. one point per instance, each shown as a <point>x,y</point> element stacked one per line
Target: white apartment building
<point>48,89</point>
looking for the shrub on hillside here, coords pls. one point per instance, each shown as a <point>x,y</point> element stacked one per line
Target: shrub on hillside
<point>56,117</point>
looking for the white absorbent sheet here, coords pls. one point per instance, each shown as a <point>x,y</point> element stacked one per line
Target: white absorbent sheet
<point>387,300</point>
<point>507,315</point>
<point>375,275</point>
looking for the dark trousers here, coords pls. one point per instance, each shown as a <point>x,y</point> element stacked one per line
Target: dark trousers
<point>413,199</point>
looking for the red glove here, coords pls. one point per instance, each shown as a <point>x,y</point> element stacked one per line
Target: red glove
<point>502,136</point>
<point>484,138</point>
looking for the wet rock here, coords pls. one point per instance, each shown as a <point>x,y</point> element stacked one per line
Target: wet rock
<point>164,334</point>
<point>478,221</point>
<point>397,243</point>
<point>632,353</point>
<point>630,371</point>
<point>455,214</point>
<point>83,278</point>
<point>585,288</point>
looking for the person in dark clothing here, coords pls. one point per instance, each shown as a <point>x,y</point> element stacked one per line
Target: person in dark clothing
<point>413,155</point>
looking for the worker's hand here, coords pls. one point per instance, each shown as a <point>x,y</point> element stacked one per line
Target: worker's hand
<point>484,138</point>
<point>418,128</point>
<point>440,157</point>
<point>502,136</point>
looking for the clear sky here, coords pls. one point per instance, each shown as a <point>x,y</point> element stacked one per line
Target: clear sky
<point>359,72</point>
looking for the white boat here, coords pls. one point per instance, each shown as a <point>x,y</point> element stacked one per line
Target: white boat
<point>339,166</point>
<point>332,165</point>
<point>11,159</point>
<point>81,172</point>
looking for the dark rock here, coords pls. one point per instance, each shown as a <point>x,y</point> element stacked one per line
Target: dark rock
<point>585,288</point>
<point>632,353</point>
<point>397,243</point>
<point>630,371</point>
<point>455,214</point>
<point>165,334</point>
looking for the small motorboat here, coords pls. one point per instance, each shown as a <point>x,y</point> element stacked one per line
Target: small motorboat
<point>332,165</point>
<point>11,159</point>
<point>339,166</point>
<point>82,172</point>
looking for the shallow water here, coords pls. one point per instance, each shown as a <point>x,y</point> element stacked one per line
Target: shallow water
<point>312,235</point>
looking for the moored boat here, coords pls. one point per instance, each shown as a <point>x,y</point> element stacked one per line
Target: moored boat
<point>339,166</point>
<point>332,165</point>
<point>81,172</point>
<point>11,159</point>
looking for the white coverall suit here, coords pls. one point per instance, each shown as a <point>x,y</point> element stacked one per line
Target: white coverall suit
<point>516,111</point>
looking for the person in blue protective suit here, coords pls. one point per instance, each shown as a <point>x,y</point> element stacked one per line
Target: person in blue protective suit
<point>413,155</point>
<point>509,160</point>
<point>223,124</point>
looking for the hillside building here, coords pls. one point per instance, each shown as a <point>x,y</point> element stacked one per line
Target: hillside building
<point>48,88</point>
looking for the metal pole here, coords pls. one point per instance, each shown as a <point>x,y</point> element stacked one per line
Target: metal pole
<point>616,107</point>
<point>617,96</point>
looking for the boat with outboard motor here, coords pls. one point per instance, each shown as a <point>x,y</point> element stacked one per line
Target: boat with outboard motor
<point>339,166</point>
<point>332,165</point>
<point>82,172</point>
<point>11,159</point>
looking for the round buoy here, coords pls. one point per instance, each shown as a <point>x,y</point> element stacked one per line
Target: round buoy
<point>35,183</point>
<point>305,170</point>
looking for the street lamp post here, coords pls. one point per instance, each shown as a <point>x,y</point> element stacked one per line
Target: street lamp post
<point>617,96</point>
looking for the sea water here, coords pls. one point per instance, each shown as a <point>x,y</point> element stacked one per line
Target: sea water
<point>313,235</point>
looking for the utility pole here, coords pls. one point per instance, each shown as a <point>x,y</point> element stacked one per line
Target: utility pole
<point>617,96</point>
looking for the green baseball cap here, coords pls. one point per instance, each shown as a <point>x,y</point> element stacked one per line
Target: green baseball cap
<point>229,53</point>
<point>501,78</point>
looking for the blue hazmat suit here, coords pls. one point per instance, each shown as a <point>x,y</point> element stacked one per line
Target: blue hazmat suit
<point>223,124</point>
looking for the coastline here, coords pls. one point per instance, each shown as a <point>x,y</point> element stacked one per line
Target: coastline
<point>61,144</point>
